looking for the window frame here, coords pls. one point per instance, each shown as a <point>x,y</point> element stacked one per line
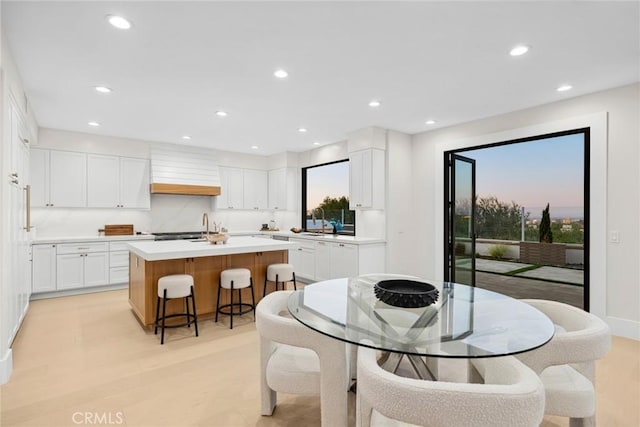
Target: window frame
<point>303,213</point>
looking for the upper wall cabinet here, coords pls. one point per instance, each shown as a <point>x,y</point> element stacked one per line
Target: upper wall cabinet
<point>242,189</point>
<point>255,189</point>
<point>367,179</point>
<point>283,194</point>
<point>117,182</point>
<point>58,178</point>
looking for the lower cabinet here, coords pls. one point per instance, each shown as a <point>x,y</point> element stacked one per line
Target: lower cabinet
<point>43,277</point>
<point>323,260</point>
<point>82,270</point>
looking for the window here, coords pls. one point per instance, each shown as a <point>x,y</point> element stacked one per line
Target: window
<point>325,190</point>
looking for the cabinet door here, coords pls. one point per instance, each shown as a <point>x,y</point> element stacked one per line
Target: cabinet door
<point>68,179</point>
<point>344,260</point>
<point>103,174</point>
<point>277,189</point>
<point>39,174</point>
<point>255,188</point>
<point>70,271</point>
<point>323,261</point>
<point>232,191</point>
<point>96,269</point>
<point>134,183</point>
<point>355,180</point>
<point>44,268</point>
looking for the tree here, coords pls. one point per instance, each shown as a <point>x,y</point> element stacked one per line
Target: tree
<point>334,208</point>
<point>546,236</point>
<point>498,220</point>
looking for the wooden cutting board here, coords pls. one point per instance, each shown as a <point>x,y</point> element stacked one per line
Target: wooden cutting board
<point>118,229</point>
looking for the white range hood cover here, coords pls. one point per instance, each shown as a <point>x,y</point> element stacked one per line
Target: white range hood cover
<point>184,170</point>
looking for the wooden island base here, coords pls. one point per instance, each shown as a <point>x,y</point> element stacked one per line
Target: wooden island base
<point>144,275</point>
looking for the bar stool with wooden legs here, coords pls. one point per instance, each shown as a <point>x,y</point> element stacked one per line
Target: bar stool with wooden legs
<point>170,287</point>
<point>279,273</point>
<point>235,279</point>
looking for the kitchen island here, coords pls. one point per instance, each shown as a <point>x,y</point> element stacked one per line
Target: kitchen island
<point>150,260</point>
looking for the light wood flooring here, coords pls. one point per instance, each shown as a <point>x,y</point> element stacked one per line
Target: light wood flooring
<point>87,354</point>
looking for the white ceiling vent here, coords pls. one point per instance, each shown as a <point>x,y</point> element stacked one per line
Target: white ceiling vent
<point>184,170</point>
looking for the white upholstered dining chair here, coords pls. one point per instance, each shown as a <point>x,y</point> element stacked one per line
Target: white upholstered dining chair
<point>298,360</point>
<point>512,395</point>
<point>566,364</point>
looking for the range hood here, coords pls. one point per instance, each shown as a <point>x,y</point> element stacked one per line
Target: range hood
<point>183,170</point>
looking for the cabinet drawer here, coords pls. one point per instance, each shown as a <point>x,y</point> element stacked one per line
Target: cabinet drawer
<point>82,248</point>
<point>118,246</point>
<point>118,275</point>
<point>119,259</point>
<point>304,244</point>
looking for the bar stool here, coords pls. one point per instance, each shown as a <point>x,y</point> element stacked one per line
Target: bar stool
<point>170,287</point>
<point>279,273</point>
<point>235,279</point>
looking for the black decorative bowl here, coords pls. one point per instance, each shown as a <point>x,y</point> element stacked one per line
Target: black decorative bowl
<point>406,293</point>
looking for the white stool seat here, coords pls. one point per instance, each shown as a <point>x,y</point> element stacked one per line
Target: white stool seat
<point>177,285</point>
<point>241,278</point>
<point>280,272</point>
<point>235,279</point>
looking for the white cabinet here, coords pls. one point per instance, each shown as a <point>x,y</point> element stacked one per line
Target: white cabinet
<point>82,265</point>
<point>118,262</point>
<point>303,259</point>
<point>44,268</point>
<point>117,182</point>
<point>232,189</point>
<point>366,179</point>
<point>255,189</point>
<point>283,194</point>
<point>58,178</point>
<point>334,260</point>
<point>242,189</point>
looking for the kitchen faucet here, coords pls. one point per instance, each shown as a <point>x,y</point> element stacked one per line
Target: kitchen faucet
<point>313,217</point>
<point>205,222</point>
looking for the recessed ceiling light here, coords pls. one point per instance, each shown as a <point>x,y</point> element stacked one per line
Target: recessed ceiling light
<point>119,22</point>
<point>254,147</point>
<point>374,103</point>
<point>186,137</point>
<point>519,50</point>
<point>93,124</point>
<point>302,130</point>
<point>430,122</point>
<point>103,89</point>
<point>280,73</point>
<point>316,143</point>
<point>564,88</point>
<point>221,113</point>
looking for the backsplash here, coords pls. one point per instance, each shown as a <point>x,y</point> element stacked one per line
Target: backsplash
<point>168,213</point>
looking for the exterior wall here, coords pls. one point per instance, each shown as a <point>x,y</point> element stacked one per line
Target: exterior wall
<point>614,182</point>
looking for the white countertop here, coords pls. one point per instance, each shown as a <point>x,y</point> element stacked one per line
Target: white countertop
<point>327,237</point>
<point>176,249</point>
<point>84,239</point>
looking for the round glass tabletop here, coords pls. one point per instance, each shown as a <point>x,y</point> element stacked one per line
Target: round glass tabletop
<point>464,322</point>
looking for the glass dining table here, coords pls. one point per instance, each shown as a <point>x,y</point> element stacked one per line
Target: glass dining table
<point>465,322</point>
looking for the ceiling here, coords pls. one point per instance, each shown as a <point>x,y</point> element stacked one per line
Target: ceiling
<point>183,61</point>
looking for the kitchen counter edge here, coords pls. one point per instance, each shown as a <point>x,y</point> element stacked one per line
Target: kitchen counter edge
<point>84,239</point>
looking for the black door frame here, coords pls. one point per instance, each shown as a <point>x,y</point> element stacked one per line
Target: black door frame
<point>586,197</point>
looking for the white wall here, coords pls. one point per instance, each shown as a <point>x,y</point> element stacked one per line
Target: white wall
<point>615,287</point>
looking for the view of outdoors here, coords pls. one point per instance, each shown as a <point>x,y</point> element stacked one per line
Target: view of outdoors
<point>328,192</point>
<point>525,177</point>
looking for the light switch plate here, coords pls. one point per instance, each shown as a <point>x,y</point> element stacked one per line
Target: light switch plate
<point>614,236</point>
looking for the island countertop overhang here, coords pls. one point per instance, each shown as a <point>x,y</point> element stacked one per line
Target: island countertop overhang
<point>176,249</point>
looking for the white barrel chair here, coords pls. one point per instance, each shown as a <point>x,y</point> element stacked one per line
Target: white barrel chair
<point>566,364</point>
<point>298,360</point>
<point>512,395</point>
